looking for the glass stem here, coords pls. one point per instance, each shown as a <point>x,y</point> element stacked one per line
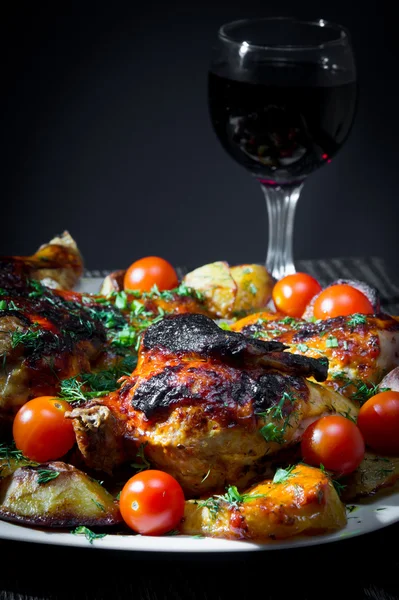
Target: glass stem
<point>281,204</point>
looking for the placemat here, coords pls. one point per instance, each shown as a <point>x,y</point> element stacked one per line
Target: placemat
<point>372,270</point>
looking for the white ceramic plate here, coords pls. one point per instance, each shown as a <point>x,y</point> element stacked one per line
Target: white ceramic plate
<point>363,518</point>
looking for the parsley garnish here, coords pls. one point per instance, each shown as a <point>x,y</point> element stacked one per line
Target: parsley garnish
<point>37,289</point>
<point>357,319</point>
<point>88,533</point>
<point>302,347</point>
<point>281,475</point>
<point>332,342</point>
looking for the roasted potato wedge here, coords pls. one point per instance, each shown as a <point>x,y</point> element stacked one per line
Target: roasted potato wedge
<point>374,474</point>
<point>217,285</point>
<point>254,287</point>
<point>113,282</point>
<point>305,501</point>
<point>390,381</point>
<point>231,290</point>
<point>56,494</point>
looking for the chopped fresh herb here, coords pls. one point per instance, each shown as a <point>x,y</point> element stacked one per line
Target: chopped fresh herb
<point>94,385</point>
<point>233,496</point>
<point>121,300</point>
<point>88,533</point>
<point>144,464</point>
<point>302,347</point>
<point>332,342</point>
<point>46,475</point>
<point>357,319</point>
<point>282,475</point>
<point>9,452</point>
<point>37,289</point>
<point>3,305</point>
<point>212,504</point>
<point>100,506</point>
<point>28,338</point>
<point>253,289</point>
<point>351,508</point>
<point>271,432</point>
<point>339,487</point>
<point>363,389</point>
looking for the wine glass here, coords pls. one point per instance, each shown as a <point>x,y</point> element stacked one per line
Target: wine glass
<point>282,98</point>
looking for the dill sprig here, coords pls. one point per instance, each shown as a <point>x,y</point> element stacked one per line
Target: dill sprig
<point>46,475</point>
<point>8,453</point>
<point>144,463</point>
<point>88,533</point>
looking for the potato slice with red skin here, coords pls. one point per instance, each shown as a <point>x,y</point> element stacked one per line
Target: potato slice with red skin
<point>56,494</point>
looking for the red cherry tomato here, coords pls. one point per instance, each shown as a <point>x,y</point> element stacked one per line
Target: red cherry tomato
<point>152,502</point>
<point>335,442</point>
<point>341,300</point>
<point>378,420</point>
<point>292,293</point>
<point>41,430</point>
<point>149,271</point>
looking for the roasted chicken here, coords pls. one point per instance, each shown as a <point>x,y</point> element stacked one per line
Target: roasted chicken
<point>361,349</point>
<point>50,335</point>
<point>208,406</point>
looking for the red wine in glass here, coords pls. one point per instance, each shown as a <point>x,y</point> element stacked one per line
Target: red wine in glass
<point>282,108</point>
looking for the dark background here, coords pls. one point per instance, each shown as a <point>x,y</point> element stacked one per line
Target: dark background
<point>105,132</point>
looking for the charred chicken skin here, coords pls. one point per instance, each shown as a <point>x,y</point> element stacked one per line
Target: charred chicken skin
<point>208,406</point>
<point>361,349</point>
<point>50,335</point>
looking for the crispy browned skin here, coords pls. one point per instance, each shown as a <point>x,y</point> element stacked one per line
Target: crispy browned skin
<point>305,502</point>
<point>210,406</point>
<point>44,337</point>
<point>360,349</point>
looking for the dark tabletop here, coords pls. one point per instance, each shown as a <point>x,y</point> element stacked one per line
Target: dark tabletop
<point>362,567</point>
